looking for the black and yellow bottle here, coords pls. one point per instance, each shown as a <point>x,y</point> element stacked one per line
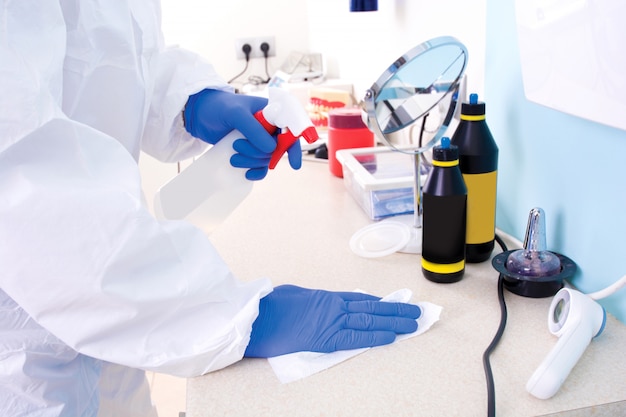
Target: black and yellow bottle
<point>444,217</point>
<point>478,160</point>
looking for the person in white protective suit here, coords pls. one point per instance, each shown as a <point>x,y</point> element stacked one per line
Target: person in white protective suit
<point>94,290</point>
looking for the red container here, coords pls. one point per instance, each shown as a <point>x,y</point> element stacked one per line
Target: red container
<point>346,130</point>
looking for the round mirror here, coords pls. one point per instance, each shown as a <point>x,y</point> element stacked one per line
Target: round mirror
<point>419,90</point>
<point>416,96</point>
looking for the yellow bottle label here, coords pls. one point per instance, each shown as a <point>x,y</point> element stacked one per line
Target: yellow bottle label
<point>481,207</point>
<point>443,268</point>
<point>472,118</point>
<point>445,164</point>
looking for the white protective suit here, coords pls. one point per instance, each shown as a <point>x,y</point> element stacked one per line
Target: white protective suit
<point>93,289</point>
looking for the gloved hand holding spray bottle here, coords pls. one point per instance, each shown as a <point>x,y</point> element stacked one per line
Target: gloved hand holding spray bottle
<point>207,191</point>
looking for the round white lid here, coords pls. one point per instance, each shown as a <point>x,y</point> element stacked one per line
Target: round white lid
<point>380,239</point>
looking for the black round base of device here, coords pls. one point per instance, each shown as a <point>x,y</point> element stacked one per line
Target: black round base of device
<point>533,287</point>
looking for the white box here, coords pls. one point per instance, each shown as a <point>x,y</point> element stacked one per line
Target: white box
<point>380,179</point>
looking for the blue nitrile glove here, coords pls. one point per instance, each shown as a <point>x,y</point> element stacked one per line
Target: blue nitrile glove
<point>212,114</point>
<point>294,319</point>
<point>248,156</point>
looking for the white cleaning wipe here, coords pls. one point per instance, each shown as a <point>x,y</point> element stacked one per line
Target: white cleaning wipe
<point>298,365</point>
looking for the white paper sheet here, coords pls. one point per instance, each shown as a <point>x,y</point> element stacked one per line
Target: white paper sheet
<point>295,366</point>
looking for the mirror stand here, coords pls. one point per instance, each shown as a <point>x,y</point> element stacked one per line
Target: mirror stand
<point>414,221</point>
<point>419,90</point>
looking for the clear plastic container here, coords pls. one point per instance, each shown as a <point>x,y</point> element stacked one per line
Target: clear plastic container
<point>379,179</point>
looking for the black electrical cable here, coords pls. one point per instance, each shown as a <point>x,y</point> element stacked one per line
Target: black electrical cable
<point>491,394</point>
<point>240,74</point>
<point>256,80</point>
<point>246,50</point>
<point>267,71</point>
<point>265,47</point>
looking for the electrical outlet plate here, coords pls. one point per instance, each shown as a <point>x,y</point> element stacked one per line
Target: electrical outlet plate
<point>255,44</point>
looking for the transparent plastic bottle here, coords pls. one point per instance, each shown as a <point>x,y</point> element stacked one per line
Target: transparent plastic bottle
<point>211,188</point>
<point>207,191</point>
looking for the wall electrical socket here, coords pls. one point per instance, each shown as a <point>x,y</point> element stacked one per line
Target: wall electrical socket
<point>255,43</point>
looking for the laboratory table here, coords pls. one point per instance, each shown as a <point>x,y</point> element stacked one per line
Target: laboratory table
<point>295,228</point>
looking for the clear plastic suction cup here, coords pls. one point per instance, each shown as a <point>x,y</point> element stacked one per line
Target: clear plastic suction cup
<point>534,260</point>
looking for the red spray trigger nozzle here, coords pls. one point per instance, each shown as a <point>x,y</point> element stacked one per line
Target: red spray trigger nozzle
<point>284,112</point>
<point>286,139</point>
<point>310,134</point>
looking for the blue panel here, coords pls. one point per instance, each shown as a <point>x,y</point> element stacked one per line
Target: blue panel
<point>571,167</point>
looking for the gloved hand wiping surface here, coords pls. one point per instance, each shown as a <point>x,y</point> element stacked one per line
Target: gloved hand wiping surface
<point>295,366</point>
<point>294,319</point>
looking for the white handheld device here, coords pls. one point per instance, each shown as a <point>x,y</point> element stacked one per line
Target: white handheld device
<point>576,319</point>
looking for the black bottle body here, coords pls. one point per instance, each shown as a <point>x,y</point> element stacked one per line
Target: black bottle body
<point>478,161</point>
<point>444,221</point>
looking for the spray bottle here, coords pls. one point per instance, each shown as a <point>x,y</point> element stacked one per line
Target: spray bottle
<point>207,191</point>
<point>478,160</point>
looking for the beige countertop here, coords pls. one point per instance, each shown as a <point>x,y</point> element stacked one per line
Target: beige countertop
<point>295,228</point>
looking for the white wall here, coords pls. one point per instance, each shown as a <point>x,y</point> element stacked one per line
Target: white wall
<point>210,28</point>
<point>356,46</point>
<point>360,46</point>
